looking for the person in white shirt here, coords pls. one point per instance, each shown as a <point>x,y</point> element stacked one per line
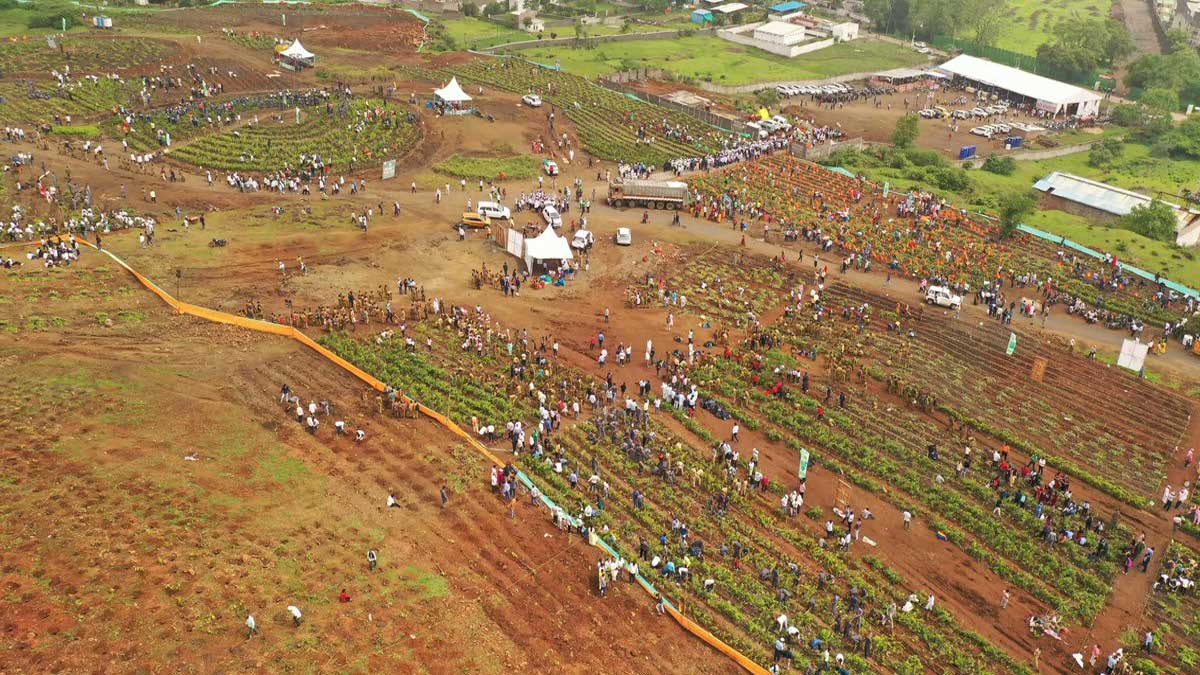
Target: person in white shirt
<point>296,616</point>
<point>251,626</point>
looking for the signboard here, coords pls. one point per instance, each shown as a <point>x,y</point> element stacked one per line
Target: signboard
<point>803,463</point>
<point>1047,106</point>
<point>1133,354</point>
<point>1012,344</point>
<point>966,152</point>
<point>389,169</point>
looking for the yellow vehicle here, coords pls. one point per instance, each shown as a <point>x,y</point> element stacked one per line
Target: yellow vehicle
<point>942,112</point>
<point>475,221</point>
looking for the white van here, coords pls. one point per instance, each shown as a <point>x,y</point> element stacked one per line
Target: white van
<point>494,211</point>
<point>552,217</point>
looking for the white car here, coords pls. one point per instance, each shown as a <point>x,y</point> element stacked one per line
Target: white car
<point>552,217</point>
<point>942,297</point>
<point>583,240</point>
<point>494,211</point>
<point>532,100</point>
<point>624,236</point>
<point>550,167</point>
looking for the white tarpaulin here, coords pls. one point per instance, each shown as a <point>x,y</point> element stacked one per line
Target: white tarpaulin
<point>297,51</point>
<point>1133,354</point>
<point>452,93</point>
<point>547,246</point>
<point>515,243</point>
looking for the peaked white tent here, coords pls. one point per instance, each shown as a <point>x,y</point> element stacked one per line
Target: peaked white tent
<point>296,56</point>
<point>548,245</point>
<point>452,93</point>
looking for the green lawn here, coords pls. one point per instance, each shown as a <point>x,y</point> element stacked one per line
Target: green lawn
<point>1171,261</point>
<point>469,33</point>
<point>1028,22</point>
<point>709,58</point>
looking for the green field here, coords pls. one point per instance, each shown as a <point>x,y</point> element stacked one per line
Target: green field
<point>469,33</point>
<point>1028,22</point>
<point>712,59</point>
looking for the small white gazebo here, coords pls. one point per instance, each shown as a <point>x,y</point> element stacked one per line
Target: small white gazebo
<point>547,246</point>
<point>297,56</point>
<point>452,94</point>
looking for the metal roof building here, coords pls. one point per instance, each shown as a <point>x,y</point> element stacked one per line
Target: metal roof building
<point>1100,199</point>
<point>1049,95</point>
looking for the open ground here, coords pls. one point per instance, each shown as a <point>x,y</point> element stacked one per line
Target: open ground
<point>156,491</point>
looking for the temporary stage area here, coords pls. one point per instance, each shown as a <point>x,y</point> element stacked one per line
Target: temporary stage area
<point>296,57</point>
<point>451,98</point>
<point>1047,95</point>
<point>546,248</point>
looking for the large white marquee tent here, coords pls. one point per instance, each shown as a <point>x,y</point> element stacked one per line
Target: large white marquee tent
<point>1049,95</point>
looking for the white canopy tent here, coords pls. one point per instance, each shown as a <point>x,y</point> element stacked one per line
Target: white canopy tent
<point>1049,95</point>
<point>452,93</point>
<point>548,245</point>
<point>298,54</point>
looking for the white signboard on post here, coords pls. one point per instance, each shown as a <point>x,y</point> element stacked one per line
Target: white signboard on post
<point>1133,354</point>
<point>389,169</point>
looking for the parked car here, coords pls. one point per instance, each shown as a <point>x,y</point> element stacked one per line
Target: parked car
<point>624,236</point>
<point>494,210</point>
<point>532,100</point>
<point>474,220</point>
<point>583,240</point>
<point>942,297</point>
<point>552,217</point>
<point>550,167</point>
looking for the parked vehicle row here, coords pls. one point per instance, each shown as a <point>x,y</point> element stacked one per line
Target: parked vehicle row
<point>989,130</point>
<point>812,89</point>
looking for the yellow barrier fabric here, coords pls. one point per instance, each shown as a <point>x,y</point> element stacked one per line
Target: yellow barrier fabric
<point>295,334</point>
<point>716,643</point>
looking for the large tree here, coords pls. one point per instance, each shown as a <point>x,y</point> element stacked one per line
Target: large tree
<point>906,131</point>
<point>1178,70</point>
<point>1155,220</point>
<point>1080,45</point>
<point>1016,209</point>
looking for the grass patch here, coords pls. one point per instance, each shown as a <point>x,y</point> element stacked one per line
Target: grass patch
<point>77,130</point>
<point>282,469</point>
<point>1028,23</point>
<point>471,33</point>
<point>424,583</point>
<point>518,167</point>
<point>704,57</point>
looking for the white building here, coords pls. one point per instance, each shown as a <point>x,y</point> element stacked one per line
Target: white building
<point>790,35</point>
<point>780,33</point>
